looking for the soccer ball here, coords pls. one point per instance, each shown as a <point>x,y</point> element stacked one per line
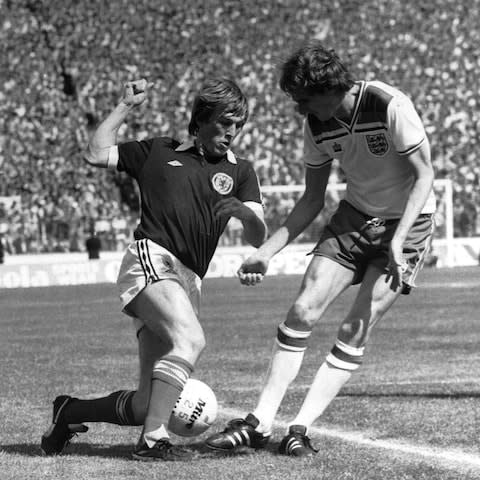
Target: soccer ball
<point>195,410</point>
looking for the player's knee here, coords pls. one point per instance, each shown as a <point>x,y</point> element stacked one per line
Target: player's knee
<point>190,343</point>
<point>195,343</point>
<point>345,357</point>
<point>199,343</point>
<point>300,317</point>
<point>353,332</point>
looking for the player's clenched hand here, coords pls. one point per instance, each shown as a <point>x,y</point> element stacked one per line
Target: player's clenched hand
<point>135,92</point>
<point>252,270</point>
<point>232,207</point>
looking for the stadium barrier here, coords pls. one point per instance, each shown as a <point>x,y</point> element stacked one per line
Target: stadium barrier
<point>21,271</point>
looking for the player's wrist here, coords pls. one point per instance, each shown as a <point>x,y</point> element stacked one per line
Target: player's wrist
<point>264,255</point>
<point>125,105</point>
<point>247,215</point>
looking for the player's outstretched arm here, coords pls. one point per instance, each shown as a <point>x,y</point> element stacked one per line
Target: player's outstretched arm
<point>421,164</point>
<point>304,212</point>
<point>249,213</point>
<point>105,135</point>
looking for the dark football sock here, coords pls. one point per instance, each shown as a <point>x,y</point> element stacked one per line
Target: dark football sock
<point>115,408</point>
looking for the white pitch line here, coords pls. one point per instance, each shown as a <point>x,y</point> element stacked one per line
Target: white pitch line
<point>399,383</point>
<point>448,458</point>
<point>448,381</point>
<point>455,284</point>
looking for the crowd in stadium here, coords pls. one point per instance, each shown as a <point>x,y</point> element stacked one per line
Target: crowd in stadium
<point>63,65</point>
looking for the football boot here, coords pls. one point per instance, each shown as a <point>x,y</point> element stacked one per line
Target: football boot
<point>58,436</point>
<point>238,433</point>
<point>162,450</point>
<point>296,443</point>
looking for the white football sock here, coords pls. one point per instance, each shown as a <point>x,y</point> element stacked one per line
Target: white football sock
<point>152,437</point>
<point>284,367</point>
<point>325,387</point>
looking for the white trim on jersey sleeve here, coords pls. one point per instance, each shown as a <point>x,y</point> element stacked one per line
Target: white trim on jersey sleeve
<point>256,207</point>
<point>112,160</point>
<point>314,154</point>
<point>405,125</point>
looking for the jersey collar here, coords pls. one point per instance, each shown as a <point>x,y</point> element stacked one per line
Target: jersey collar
<point>356,107</point>
<point>187,144</point>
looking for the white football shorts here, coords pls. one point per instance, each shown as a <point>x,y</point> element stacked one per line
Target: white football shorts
<point>146,262</point>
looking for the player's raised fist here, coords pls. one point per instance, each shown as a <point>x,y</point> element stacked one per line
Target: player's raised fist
<point>135,92</point>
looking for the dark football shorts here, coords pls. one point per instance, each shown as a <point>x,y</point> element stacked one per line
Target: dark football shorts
<point>356,240</point>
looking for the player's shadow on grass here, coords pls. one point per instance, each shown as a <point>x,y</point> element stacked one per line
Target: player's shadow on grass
<point>121,451</point>
<point>82,449</point>
<point>205,452</point>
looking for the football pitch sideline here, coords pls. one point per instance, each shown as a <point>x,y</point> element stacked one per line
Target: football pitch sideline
<point>412,411</point>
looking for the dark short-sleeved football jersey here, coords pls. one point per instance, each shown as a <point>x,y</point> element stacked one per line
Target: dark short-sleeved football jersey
<point>179,189</point>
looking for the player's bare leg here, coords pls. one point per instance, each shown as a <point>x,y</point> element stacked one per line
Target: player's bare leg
<point>167,311</point>
<point>314,297</point>
<point>150,349</point>
<point>374,298</point>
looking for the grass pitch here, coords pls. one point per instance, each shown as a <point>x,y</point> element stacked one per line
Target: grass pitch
<point>412,411</point>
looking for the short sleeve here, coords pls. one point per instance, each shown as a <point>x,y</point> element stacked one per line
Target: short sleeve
<point>314,154</point>
<point>132,156</point>
<point>405,126</point>
<point>248,186</point>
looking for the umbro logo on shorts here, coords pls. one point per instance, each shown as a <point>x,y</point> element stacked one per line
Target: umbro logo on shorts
<point>175,163</point>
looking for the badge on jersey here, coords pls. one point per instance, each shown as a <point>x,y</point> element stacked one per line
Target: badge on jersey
<point>377,144</point>
<point>222,183</point>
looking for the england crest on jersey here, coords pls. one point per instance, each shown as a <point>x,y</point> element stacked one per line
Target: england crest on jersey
<point>222,183</point>
<point>377,144</point>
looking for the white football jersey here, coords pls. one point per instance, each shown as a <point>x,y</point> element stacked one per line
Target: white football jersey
<point>372,149</point>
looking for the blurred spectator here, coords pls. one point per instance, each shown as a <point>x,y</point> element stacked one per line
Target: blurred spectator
<point>61,64</point>
<point>2,250</point>
<point>93,245</point>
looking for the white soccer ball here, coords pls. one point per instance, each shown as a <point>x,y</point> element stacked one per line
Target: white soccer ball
<point>195,410</point>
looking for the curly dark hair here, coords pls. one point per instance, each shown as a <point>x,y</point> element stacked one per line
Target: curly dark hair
<point>314,69</point>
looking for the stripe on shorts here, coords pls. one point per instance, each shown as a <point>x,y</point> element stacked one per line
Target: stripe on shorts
<point>146,261</point>
<point>423,255</point>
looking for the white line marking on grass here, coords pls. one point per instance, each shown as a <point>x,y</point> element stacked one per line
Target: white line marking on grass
<point>448,458</point>
<point>424,383</point>
<point>454,382</point>
<point>467,284</point>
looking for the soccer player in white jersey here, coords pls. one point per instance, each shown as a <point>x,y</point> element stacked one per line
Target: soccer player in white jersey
<point>377,238</point>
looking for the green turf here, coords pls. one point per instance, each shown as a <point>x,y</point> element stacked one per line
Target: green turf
<point>419,385</point>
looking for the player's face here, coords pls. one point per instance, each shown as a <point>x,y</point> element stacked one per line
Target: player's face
<point>324,106</point>
<point>218,133</point>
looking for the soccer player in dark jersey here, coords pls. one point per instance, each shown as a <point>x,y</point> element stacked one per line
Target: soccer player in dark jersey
<point>189,190</point>
<point>377,238</point>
